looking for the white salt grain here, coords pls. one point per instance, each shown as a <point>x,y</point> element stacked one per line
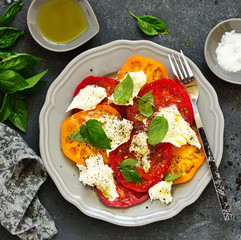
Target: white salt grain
<point>229,52</point>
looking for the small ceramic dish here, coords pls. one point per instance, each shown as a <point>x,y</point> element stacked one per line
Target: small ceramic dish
<point>211,45</point>
<point>92,30</point>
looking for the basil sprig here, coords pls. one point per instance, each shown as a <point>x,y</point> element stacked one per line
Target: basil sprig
<point>12,81</point>
<point>151,25</point>
<point>8,36</point>
<point>128,172</point>
<point>124,90</point>
<point>10,13</point>
<point>157,130</point>
<point>6,53</point>
<point>6,108</point>
<point>171,176</point>
<point>146,105</point>
<point>18,62</point>
<point>18,79</point>
<point>19,113</point>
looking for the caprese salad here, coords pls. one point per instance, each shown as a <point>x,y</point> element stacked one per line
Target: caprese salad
<point>132,137</point>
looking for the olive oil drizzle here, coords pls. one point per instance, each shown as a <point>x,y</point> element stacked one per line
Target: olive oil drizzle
<point>61,21</point>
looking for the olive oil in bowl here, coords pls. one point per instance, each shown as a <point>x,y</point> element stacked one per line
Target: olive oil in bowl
<point>61,21</point>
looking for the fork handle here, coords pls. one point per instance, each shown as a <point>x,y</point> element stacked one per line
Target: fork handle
<point>223,200</point>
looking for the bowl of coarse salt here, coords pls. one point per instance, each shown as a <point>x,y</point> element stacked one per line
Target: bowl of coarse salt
<point>222,50</point>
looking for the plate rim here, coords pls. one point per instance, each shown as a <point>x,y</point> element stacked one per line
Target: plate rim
<point>122,221</point>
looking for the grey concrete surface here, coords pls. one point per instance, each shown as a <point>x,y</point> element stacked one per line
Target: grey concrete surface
<point>188,22</point>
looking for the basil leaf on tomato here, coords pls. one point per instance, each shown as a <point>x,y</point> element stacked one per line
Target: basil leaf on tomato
<point>75,136</point>
<point>150,25</point>
<point>94,134</point>
<point>146,105</point>
<point>127,162</point>
<point>131,175</point>
<point>157,130</point>
<point>171,176</point>
<point>128,172</point>
<point>124,90</point>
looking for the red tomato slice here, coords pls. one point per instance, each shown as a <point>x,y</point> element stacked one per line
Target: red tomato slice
<point>166,92</point>
<point>127,197</point>
<point>109,84</point>
<point>160,160</point>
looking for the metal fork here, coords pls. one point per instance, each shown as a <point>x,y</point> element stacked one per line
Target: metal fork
<point>185,77</point>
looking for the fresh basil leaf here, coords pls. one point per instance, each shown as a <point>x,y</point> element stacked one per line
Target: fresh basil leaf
<point>171,176</point>
<point>33,80</point>
<point>18,62</point>
<point>5,54</point>
<point>27,72</point>
<point>151,25</point>
<point>146,105</point>
<point>11,81</point>
<point>130,174</point>
<point>19,114</point>
<point>18,95</point>
<point>127,162</point>
<point>157,130</point>
<point>8,36</point>
<point>10,13</point>
<point>75,136</point>
<point>94,134</point>
<point>124,90</point>
<point>37,87</point>
<point>6,108</point>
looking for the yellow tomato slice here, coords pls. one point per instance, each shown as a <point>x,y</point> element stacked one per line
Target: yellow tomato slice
<point>153,69</point>
<point>186,159</point>
<point>79,151</point>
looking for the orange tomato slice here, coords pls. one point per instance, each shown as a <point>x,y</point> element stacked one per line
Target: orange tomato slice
<point>153,69</point>
<point>186,159</point>
<point>77,151</point>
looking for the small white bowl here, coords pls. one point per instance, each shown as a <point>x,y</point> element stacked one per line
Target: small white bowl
<point>93,27</point>
<point>211,45</point>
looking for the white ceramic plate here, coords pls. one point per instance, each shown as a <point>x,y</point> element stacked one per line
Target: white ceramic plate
<point>102,61</point>
<point>211,44</point>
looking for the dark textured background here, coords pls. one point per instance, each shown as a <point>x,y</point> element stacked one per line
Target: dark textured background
<point>188,21</point>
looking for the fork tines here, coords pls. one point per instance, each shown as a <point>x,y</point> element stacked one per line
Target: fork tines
<point>182,70</point>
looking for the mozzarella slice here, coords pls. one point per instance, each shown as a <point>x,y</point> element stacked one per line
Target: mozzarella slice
<point>140,147</point>
<point>88,98</point>
<point>139,80</point>
<point>118,131</point>
<point>179,131</point>
<point>100,175</point>
<point>161,191</point>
